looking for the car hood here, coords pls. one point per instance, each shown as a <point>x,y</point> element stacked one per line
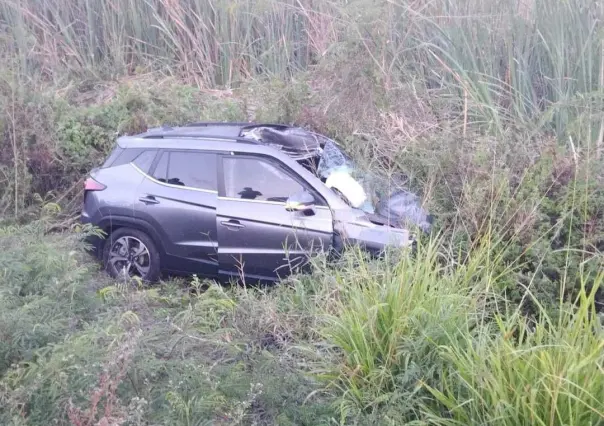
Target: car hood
<point>370,231</point>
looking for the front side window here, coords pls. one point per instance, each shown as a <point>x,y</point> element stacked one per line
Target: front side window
<point>188,169</point>
<point>256,179</point>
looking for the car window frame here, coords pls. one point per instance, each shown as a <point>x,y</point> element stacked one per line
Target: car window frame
<point>320,201</point>
<point>163,151</point>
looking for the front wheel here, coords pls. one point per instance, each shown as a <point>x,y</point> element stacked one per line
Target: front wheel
<point>131,253</point>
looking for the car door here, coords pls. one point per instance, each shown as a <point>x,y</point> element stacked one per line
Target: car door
<point>179,200</point>
<point>256,234</point>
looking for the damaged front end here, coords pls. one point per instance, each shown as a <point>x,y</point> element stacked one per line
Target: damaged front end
<point>381,213</point>
<point>381,198</point>
<point>369,233</point>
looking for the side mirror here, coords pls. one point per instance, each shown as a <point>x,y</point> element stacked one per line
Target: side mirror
<point>301,202</point>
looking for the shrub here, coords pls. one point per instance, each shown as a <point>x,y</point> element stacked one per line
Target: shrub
<point>44,291</point>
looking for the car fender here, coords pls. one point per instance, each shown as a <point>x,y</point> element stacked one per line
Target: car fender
<point>131,222</point>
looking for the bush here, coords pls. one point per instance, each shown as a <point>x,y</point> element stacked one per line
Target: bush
<point>48,158</point>
<point>36,275</point>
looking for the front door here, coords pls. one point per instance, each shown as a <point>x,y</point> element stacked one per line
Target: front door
<point>256,235</point>
<point>179,200</point>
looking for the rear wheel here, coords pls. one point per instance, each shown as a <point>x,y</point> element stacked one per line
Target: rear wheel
<point>131,253</point>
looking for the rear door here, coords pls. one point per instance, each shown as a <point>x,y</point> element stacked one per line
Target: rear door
<point>179,199</point>
<point>256,235</point>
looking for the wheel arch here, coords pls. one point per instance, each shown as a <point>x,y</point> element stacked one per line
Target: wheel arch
<point>111,224</point>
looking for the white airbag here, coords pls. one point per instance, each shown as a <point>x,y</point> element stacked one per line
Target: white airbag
<point>350,188</point>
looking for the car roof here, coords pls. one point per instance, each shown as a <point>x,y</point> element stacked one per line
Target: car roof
<point>226,137</point>
<point>215,136</point>
<point>227,130</point>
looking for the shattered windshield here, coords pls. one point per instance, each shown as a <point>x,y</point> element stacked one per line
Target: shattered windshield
<point>357,186</point>
<point>368,190</point>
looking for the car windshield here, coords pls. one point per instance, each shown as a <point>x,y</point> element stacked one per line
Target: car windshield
<point>358,186</point>
<point>367,189</point>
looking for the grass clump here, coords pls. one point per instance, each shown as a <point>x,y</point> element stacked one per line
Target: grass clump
<point>418,341</point>
<point>522,373</point>
<point>387,321</point>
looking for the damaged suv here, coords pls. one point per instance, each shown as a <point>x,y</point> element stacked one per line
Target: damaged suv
<point>237,199</point>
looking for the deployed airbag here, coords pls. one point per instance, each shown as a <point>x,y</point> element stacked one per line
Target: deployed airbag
<point>350,188</point>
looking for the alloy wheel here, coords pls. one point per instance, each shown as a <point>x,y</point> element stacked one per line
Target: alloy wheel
<point>130,257</point>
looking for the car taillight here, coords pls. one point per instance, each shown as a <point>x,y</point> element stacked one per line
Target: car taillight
<point>92,185</point>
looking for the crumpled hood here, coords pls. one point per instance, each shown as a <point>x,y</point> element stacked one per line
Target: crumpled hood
<point>369,231</point>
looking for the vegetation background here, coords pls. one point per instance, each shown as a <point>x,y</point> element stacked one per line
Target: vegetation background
<point>492,110</point>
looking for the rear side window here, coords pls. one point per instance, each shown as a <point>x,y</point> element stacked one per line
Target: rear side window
<point>114,154</point>
<point>189,169</point>
<point>143,158</point>
<point>161,170</point>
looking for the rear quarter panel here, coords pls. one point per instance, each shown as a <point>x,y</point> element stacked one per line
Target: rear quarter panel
<point>118,198</point>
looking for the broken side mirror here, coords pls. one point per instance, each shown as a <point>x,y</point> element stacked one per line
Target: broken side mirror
<point>302,201</point>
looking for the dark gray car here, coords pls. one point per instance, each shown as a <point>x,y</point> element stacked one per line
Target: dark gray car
<point>232,199</point>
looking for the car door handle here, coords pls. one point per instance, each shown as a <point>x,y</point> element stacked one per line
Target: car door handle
<point>149,199</point>
<point>232,224</point>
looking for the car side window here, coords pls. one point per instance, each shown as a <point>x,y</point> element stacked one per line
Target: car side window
<point>145,159</point>
<point>161,170</point>
<point>187,169</point>
<point>257,179</point>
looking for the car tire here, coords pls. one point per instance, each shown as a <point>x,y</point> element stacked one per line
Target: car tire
<point>142,257</point>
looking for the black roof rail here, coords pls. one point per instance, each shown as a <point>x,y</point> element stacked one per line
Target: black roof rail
<point>241,124</point>
<point>200,136</point>
<point>216,123</point>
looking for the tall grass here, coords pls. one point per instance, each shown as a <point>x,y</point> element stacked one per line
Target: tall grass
<point>529,65</point>
<point>422,341</point>
<point>211,43</point>
<point>392,315</point>
<point>549,373</point>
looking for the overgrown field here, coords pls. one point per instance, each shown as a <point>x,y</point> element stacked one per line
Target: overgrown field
<point>493,111</point>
